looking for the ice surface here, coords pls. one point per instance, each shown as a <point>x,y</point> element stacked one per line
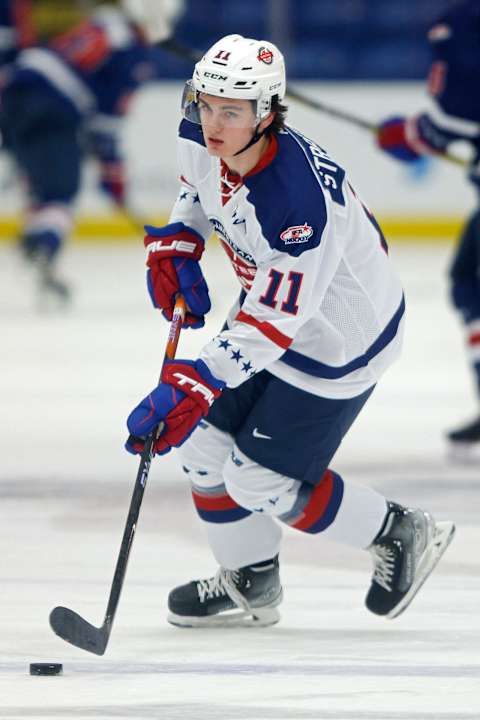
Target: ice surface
<point>67,382</point>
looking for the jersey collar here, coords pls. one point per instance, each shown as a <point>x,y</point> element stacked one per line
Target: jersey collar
<point>267,157</point>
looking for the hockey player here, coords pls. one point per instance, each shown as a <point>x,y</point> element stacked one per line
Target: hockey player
<point>262,410</point>
<point>455,45</point>
<point>63,100</point>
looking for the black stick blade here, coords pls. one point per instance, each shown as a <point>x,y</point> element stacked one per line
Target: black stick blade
<point>77,631</point>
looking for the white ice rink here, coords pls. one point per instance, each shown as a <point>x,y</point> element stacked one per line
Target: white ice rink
<point>67,382</point>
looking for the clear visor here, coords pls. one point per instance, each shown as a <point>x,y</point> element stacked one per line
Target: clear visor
<point>205,109</point>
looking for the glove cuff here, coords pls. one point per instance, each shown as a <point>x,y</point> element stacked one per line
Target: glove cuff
<point>392,133</point>
<point>174,240</point>
<point>195,380</point>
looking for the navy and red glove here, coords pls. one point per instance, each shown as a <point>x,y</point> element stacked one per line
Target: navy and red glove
<point>113,181</point>
<point>391,137</point>
<point>184,396</point>
<point>173,254</point>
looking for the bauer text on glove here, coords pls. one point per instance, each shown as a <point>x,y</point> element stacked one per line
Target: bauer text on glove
<point>173,254</point>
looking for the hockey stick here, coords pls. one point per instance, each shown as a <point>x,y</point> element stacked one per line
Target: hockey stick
<point>172,45</point>
<point>66,623</point>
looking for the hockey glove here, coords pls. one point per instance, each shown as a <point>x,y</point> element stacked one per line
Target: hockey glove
<point>184,396</point>
<point>173,254</point>
<point>391,137</point>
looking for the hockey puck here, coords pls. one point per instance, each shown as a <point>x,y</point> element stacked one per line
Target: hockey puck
<point>46,668</point>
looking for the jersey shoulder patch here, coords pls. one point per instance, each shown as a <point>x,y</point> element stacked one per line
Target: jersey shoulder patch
<point>191,131</point>
<point>289,201</point>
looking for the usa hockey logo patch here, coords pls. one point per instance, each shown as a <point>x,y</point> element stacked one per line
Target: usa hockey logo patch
<point>265,55</point>
<point>297,234</point>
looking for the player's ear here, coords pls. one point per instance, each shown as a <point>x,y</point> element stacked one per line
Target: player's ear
<point>266,122</point>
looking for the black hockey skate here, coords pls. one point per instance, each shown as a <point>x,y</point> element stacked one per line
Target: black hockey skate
<point>244,597</point>
<point>405,552</point>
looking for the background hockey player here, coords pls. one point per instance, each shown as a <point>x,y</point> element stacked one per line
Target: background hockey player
<point>66,99</point>
<point>261,412</point>
<point>452,84</point>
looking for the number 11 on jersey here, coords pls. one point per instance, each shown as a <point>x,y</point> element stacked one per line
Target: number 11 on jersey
<point>289,305</point>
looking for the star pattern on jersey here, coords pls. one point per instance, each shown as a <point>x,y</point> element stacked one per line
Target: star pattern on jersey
<point>184,195</point>
<point>236,356</point>
<point>196,198</point>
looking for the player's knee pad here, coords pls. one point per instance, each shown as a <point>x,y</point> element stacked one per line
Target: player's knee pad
<point>257,488</point>
<point>203,455</point>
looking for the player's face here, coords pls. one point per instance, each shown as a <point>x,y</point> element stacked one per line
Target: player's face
<point>228,125</point>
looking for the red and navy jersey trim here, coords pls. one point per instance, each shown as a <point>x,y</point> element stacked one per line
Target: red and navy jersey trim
<point>266,328</point>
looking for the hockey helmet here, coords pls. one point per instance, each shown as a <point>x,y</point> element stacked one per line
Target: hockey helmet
<point>240,68</point>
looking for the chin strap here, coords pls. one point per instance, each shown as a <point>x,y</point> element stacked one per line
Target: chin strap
<point>254,139</point>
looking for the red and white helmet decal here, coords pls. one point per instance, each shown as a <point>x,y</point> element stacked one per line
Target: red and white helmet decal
<point>265,55</point>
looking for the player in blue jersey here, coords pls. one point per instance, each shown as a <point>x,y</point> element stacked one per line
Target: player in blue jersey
<point>60,102</point>
<point>261,412</point>
<point>452,82</point>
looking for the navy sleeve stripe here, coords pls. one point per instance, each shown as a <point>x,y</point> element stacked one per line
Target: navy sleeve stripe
<point>318,369</point>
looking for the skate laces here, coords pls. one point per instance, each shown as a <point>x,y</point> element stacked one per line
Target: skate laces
<point>224,582</point>
<point>211,587</point>
<point>384,559</point>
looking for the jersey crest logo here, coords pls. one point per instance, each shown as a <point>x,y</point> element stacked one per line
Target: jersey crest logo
<point>265,55</point>
<point>220,230</point>
<point>297,234</point>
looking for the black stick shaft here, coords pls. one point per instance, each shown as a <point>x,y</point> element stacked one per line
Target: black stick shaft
<point>129,532</point>
<point>140,482</point>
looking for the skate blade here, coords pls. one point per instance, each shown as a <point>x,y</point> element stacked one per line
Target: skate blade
<point>442,537</point>
<point>464,453</point>
<point>263,618</point>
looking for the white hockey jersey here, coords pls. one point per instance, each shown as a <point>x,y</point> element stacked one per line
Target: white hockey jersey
<point>321,306</point>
